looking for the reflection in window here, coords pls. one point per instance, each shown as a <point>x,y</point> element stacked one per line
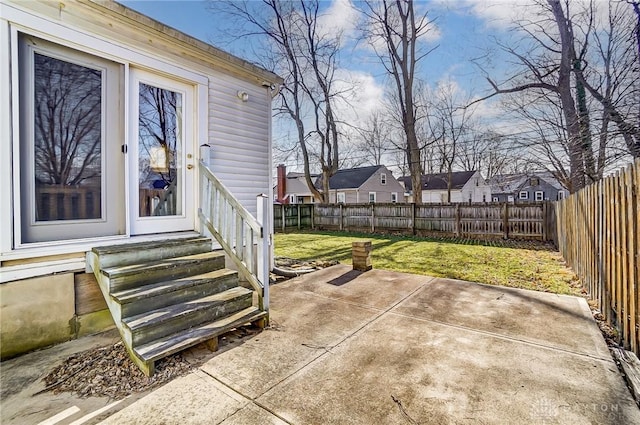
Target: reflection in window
<point>67,140</point>
<point>160,123</point>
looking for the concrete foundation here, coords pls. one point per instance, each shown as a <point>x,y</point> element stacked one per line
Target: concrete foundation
<point>48,310</point>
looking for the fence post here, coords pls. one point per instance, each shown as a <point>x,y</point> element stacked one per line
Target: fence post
<point>505,220</point>
<point>341,218</point>
<point>458,232</point>
<point>413,218</point>
<point>373,218</point>
<point>264,259</point>
<point>284,220</point>
<point>298,205</point>
<point>313,216</point>
<point>545,221</point>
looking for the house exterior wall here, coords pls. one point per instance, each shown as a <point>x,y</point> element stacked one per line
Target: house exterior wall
<point>476,190</point>
<point>550,193</point>
<point>239,155</point>
<point>237,132</point>
<point>383,191</point>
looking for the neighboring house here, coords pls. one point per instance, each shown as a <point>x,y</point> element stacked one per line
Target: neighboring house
<point>529,187</point>
<point>291,188</point>
<point>465,186</point>
<point>130,176</point>
<point>352,186</point>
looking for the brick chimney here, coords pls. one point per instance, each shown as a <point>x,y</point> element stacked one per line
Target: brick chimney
<point>282,184</point>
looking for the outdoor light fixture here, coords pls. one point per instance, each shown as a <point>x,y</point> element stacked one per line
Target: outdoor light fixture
<point>243,95</point>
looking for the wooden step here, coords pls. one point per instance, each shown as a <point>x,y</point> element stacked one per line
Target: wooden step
<point>173,343</point>
<point>142,252</point>
<point>157,295</point>
<point>171,319</point>
<point>135,275</point>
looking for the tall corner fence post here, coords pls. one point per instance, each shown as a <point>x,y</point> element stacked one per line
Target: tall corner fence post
<point>264,260</point>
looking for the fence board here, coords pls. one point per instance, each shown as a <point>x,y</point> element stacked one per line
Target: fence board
<point>598,236</point>
<point>523,221</point>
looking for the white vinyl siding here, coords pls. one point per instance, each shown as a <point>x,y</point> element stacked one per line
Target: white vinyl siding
<point>237,136</point>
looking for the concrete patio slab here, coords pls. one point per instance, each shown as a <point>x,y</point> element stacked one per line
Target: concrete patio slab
<point>390,348</point>
<point>413,371</point>
<point>301,322</point>
<point>191,399</point>
<point>560,321</point>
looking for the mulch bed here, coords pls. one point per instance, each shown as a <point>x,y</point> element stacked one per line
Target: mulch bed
<point>109,372</point>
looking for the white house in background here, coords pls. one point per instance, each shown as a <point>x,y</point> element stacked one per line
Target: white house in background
<point>136,105</point>
<point>466,186</point>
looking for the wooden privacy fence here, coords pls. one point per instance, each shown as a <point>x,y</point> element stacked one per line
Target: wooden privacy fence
<point>598,235</point>
<point>508,221</point>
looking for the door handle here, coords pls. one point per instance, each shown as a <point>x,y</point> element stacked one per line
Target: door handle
<point>189,166</point>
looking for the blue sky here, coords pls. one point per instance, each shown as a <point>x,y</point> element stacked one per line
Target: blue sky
<point>463,30</point>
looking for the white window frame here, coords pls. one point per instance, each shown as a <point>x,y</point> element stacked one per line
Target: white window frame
<point>539,195</point>
<point>510,198</point>
<point>495,199</point>
<point>372,199</point>
<point>293,199</point>
<point>560,195</point>
<point>341,198</point>
<point>383,179</point>
<point>394,197</point>
<point>523,195</point>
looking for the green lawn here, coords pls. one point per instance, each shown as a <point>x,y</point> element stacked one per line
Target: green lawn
<point>537,269</point>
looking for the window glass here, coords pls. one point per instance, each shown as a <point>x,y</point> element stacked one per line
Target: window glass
<point>67,140</point>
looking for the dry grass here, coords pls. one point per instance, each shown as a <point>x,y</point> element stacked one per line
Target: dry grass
<point>519,265</point>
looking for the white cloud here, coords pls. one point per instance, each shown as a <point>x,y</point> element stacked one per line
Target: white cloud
<point>365,96</point>
<point>340,17</point>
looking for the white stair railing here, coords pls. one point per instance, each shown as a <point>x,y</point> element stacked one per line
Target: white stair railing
<point>242,236</point>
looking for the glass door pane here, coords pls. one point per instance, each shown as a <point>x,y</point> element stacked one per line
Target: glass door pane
<point>159,151</point>
<point>67,140</point>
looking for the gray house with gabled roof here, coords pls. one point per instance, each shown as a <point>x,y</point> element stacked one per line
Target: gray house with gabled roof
<point>351,186</point>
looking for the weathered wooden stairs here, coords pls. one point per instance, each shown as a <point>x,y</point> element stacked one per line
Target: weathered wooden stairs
<point>166,296</point>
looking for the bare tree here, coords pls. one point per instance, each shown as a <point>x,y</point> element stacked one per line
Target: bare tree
<point>615,83</point>
<point>450,126</point>
<point>396,24</point>
<point>485,151</point>
<point>306,57</point>
<point>548,66</point>
<point>375,139</point>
